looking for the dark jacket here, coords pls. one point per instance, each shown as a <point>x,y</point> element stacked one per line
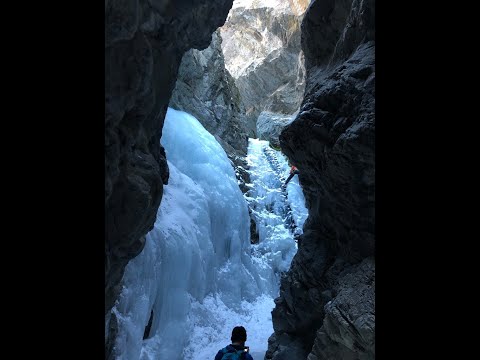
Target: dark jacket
<point>231,347</point>
<point>293,171</point>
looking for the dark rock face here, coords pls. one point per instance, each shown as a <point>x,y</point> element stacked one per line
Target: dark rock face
<point>348,330</point>
<point>144,44</point>
<point>111,329</point>
<point>327,299</point>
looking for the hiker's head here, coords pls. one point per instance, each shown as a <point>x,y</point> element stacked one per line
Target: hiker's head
<point>239,334</point>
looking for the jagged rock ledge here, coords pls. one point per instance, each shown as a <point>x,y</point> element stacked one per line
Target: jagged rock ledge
<point>326,307</point>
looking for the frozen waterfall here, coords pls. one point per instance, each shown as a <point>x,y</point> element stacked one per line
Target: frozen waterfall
<point>198,274</point>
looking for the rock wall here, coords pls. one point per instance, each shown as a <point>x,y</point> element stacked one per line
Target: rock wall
<point>326,307</point>
<point>270,125</point>
<point>206,90</point>
<point>144,44</point>
<point>261,43</point>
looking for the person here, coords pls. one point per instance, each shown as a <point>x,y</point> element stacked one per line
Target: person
<point>293,171</point>
<point>237,349</point>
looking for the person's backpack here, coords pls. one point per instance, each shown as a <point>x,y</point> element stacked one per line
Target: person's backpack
<point>230,353</point>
